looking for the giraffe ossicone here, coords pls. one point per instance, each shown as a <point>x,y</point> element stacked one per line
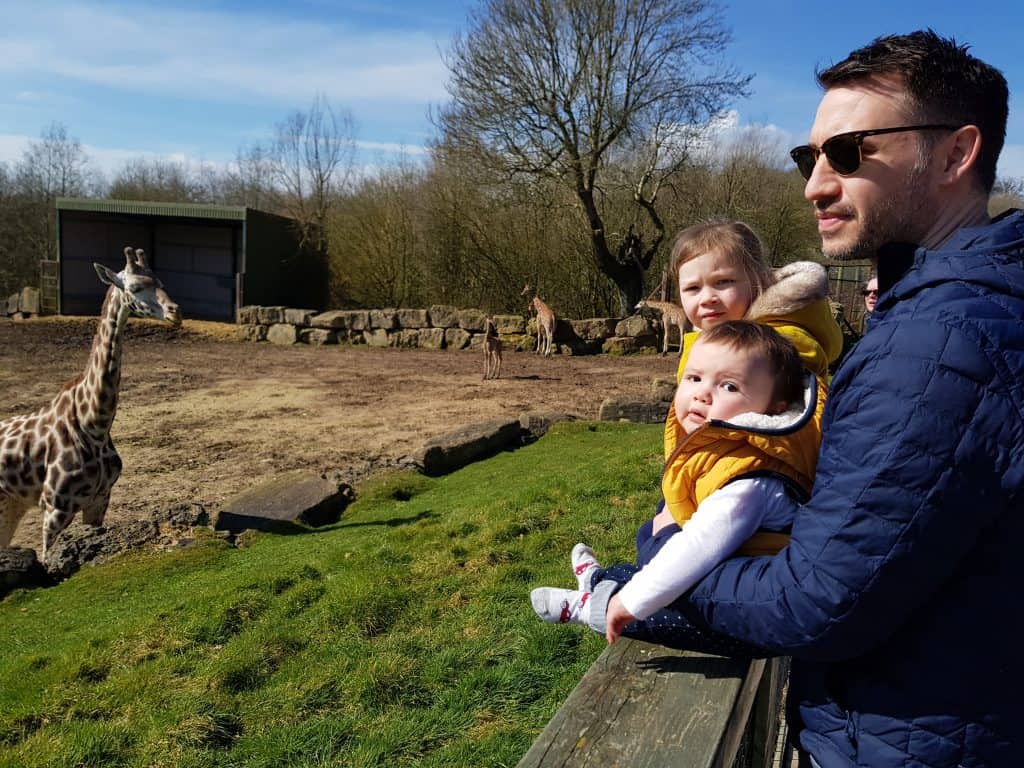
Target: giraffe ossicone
<point>61,458</point>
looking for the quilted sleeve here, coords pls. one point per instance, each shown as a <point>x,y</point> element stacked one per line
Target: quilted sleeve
<point>918,436</point>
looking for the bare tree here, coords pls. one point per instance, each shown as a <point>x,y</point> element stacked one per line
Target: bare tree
<point>312,160</point>
<point>54,166</point>
<point>557,87</point>
<point>158,180</point>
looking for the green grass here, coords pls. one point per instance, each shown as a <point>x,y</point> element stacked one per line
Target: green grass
<point>403,635</point>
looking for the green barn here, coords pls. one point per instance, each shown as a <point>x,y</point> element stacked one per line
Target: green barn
<point>212,259</point>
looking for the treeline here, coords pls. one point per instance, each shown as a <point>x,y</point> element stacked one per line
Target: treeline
<point>437,231</point>
<point>417,232</point>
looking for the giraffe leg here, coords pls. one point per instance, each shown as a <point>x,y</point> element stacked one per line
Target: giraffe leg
<point>11,512</point>
<point>55,520</point>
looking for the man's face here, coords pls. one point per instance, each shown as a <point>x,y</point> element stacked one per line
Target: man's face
<point>888,198</point>
<point>720,382</point>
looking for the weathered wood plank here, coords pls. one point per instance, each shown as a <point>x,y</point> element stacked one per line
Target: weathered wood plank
<point>645,706</point>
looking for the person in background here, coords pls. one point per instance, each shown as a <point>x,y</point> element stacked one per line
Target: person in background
<point>870,293</point>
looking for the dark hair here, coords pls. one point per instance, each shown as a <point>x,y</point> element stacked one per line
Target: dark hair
<point>944,83</point>
<point>782,355</point>
<point>735,240</point>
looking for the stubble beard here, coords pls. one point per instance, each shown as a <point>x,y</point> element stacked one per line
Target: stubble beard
<point>898,219</point>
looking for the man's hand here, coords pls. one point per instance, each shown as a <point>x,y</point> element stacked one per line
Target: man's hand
<point>616,618</point>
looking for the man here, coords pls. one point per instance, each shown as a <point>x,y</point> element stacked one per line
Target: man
<point>898,596</point>
<point>870,294</point>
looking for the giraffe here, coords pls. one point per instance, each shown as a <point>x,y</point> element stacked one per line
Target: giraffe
<point>492,350</point>
<point>546,323</point>
<point>671,314</point>
<point>61,458</point>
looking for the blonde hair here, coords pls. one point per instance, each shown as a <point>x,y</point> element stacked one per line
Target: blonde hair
<point>733,239</point>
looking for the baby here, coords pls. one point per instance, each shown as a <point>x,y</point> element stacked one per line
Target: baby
<point>745,426</point>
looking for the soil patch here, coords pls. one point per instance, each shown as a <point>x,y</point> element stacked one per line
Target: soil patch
<point>203,417</point>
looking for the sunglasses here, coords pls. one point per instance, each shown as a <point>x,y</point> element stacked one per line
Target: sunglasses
<point>843,149</point>
<point>869,293</point>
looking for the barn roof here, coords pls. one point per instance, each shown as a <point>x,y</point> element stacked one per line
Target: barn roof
<point>191,210</point>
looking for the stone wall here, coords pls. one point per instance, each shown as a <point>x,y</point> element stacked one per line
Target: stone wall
<point>18,306</point>
<point>440,327</point>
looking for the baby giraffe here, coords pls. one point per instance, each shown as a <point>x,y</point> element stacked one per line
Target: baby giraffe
<point>546,323</point>
<point>61,458</point>
<point>492,350</point>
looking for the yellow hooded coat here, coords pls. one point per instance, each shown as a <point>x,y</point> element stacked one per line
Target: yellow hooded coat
<point>719,452</point>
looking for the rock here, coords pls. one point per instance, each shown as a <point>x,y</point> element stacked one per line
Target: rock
<point>333,320</point>
<point>663,389</point>
<point>358,320</point>
<point>537,423</point>
<point>407,338</point>
<point>506,325</point>
<point>251,332</point>
<point>620,345</point>
<point>275,504</point>
<point>453,450</point>
<point>634,325</point>
<point>29,302</point>
<point>318,337</point>
<point>282,333</point>
<point>594,328</point>
<point>248,315</point>
<point>20,568</point>
<point>181,517</point>
<point>636,410</point>
<point>519,342</point>
<point>443,316</point>
<point>299,317</point>
<point>12,303</point>
<point>412,318</point>
<point>385,319</point>
<point>377,337</point>
<point>456,338</point>
<point>432,338</point>
<point>79,544</point>
<point>270,315</point>
<point>472,320</point>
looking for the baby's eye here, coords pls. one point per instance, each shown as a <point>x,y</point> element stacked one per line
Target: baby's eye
<point>728,386</point>
<point>690,289</point>
<point>725,281</point>
<point>691,377</point>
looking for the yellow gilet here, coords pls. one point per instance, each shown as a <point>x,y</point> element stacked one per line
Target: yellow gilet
<point>706,460</point>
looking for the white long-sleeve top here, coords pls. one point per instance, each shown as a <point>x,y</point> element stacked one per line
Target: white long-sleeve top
<point>719,525</point>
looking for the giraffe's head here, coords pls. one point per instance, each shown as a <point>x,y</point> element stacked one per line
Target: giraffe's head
<point>143,293</point>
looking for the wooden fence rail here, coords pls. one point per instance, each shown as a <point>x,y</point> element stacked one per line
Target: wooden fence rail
<point>646,706</point>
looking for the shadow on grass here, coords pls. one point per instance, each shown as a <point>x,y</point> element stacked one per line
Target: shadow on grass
<point>392,522</point>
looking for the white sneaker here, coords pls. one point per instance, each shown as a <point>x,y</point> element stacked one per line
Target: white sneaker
<point>561,606</point>
<point>583,564</point>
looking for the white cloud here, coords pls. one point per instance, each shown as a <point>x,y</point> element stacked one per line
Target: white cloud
<point>214,55</point>
<point>726,135</point>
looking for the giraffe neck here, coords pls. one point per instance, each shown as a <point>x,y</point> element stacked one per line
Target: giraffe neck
<point>96,391</point>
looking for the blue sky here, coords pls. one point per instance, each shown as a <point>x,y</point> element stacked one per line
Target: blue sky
<point>198,80</point>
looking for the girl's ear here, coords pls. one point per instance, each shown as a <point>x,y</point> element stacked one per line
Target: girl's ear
<point>108,276</point>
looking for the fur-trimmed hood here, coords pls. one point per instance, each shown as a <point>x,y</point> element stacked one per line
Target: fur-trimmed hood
<point>796,285</point>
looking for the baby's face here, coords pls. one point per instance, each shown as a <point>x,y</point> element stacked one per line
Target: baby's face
<point>720,382</point>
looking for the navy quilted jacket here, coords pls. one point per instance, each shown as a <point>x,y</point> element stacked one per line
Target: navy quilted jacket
<point>901,591</point>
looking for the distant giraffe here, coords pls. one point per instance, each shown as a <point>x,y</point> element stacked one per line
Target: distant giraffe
<point>546,323</point>
<point>61,458</point>
<point>492,350</point>
<point>671,314</point>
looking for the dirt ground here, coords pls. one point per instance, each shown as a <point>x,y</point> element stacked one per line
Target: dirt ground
<point>203,417</point>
